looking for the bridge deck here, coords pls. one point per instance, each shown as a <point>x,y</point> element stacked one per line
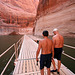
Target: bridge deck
<point>26,64</point>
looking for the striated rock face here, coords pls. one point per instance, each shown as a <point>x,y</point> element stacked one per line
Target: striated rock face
<point>56,14</point>
<point>50,4</point>
<point>15,14</point>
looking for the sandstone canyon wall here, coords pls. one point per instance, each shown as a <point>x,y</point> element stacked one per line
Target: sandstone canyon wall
<point>17,15</point>
<point>56,14</point>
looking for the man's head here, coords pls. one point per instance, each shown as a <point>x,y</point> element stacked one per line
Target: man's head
<point>45,33</point>
<point>55,31</point>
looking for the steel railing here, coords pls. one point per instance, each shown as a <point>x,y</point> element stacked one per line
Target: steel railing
<point>16,46</point>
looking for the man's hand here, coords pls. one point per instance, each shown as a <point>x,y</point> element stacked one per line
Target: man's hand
<point>52,58</point>
<point>36,59</point>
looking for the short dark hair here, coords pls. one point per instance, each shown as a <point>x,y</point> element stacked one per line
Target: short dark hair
<point>45,33</point>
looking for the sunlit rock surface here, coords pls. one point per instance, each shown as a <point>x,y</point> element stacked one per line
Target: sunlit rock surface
<point>56,14</point>
<point>17,14</point>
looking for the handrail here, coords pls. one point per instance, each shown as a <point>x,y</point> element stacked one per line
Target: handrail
<point>8,63</point>
<point>12,54</point>
<point>16,49</point>
<point>7,50</point>
<point>69,46</point>
<point>68,56</point>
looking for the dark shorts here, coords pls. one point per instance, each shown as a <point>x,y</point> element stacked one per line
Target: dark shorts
<point>57,53</point>
<point>45,60</point>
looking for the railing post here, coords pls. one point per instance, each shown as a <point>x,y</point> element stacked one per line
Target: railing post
<point>15,51</point>
<point>17,46</point>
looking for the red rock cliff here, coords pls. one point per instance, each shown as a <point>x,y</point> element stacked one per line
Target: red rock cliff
<point>47,4</point>
<point>17,13</point>
<point>56,14</point>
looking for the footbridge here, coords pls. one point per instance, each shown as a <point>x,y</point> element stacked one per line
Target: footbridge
<point>26,63</point>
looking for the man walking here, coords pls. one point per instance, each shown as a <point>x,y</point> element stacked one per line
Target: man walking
<point>58,42</point>
<point>47,53</point>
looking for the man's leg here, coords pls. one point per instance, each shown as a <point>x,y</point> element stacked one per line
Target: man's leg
<point>54,70</point>
<point>42,71</point>
<point>48,71</point>
<point>53,62</point>
<point>59,64</point>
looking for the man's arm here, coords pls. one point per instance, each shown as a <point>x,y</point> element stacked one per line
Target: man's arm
<point>52,50</point>
<point>53,39</point>
<point>53,42</point>
<point>38,50</point>
<point>63,41</point>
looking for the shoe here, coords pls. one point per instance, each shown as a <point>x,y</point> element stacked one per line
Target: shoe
<point>58,73</point>
<point>54,70</point>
